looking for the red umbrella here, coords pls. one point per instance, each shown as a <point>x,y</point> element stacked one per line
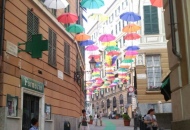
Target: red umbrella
<point>132,36</point>
<point>95,56</point>
<point>157,3</point>
<point>112,53</point>
<point>67,18</point>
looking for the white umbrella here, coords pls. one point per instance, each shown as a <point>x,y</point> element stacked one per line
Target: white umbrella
<point>56,4</point>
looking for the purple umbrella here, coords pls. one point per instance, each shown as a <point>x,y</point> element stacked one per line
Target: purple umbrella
<point>132,48</point>
<point>91,48</point>
<point>114,59</point>
<point>130,17</point>
<point>86,43</point>
<point>113,84</point>
<point>106,38</point>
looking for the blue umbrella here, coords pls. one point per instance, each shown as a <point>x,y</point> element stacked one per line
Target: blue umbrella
<point>86,43</point>
<point>130,17</point>
<point>132,48</point>
<point>114,59</point>
<point>92,4</point>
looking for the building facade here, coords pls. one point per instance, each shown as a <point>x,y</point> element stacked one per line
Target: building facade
<point>151,63</point>
<point>177,21</point>
<point>43,88</point>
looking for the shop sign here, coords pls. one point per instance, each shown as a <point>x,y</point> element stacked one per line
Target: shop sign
<point>32,84</point>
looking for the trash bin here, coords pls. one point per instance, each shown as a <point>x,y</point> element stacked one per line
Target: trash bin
<point>67,125</point>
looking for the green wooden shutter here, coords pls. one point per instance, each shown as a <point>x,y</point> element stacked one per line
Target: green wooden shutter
<point>68,59</point>
<point>50,47</point>
<point>54,61</point>
<point>154,19</point>
<point>147,20</point>
<point>65,57</point>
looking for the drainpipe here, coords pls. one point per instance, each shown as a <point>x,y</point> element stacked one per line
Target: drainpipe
<point>2,30</point>
<point>174,48</point>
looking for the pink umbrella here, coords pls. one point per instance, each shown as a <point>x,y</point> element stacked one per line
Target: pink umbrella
<point>131,53</point>
<point>91,48</point>
<point>132,36</point>
<point>113,84</point>
<point>106,38</point>
<point>96,70</point>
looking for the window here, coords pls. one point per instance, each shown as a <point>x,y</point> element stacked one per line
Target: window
<point>111,18</point>
<point>53,11</point>
<point>66,58</point>
<point>153,72</point>
<point>140,59</point>
<point>52,48</point>
<point>151,20</point>
<point>67,10</point>
<point>116,29</point>
<point>120,26</point>
<point>124,4</point>
<point>118,10</point>
<point>32,25</point>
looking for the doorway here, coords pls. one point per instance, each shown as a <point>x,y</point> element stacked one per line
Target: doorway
<point>30,110</point>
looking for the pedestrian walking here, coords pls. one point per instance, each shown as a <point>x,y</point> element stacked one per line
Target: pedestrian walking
<point>100,118</point>
<point>150,120</point>
<point>96,119</point>
<point>83,125</point>
<point>34,123</point>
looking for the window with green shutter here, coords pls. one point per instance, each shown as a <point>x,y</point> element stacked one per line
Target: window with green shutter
<point>52,48</point>
<point>66,58</point>
<point>32,25</point>
<point>151,20</point>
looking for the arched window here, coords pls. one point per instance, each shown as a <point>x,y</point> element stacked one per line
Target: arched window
<point>114,102</point>
<point>121,99</point>
<point>102,104</point>
<point>108,103</point>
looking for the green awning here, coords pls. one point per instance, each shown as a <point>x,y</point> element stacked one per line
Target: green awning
<point>165,88</point>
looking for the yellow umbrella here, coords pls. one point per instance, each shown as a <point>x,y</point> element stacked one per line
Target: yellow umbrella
<point>98,17</point>
<point>112,43</point>
<point>131,28</point>
<point>108,60</point>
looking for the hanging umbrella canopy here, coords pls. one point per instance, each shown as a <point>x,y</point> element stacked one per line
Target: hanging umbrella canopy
<point>108,60</point>
<point>157,3</point>
<point>112,48</point>
<point>130,17</point>
<point>106,38</point>
<point>132,36</point>
<point>124,65</point>
<point>82,37</point>
<point>56,4</point>
<point>127,61</point>
<point>95,56</point>
<point>122,70</point>
<point>91,48</point>
<point>75,28</point>
<point>86,43</point>
<point>113,53</point>
<point>131,28</point>
<point>67,18</point>
<point>114,59</point>
<point>130,56</point>
<point>132,48</point>
<point>111,43</point>
<point>92,4</point>
<point>113,85</point>
<point>131,53</point>
<point>98,17</point>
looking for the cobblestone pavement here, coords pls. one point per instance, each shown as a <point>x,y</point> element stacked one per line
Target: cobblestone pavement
<point>111,124</point>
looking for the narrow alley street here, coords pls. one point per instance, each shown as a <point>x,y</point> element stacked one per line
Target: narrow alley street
<point>111,124</point>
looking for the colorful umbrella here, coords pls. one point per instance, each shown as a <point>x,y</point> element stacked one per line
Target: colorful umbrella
<point>130,17</point>
<point>111,48</point>
<point>67,18</point>
<point>108,60</point>
<point>157,3</point>
<point>113,84</point>
<point>127,61</point>
<point>86,43</point>
<point>130,56</point>
<point>111,43</point>
<point>114,59</point>
<point>132,36</point>
<point>75,28</point>
<point>98,17</point>
<point>132,48</point>
<point>106,38</point>
<point>91,48</point>
<point>131,53</point>
<point>131,28</point>
<point>56,4</point>
<point>113,53</point>
<point>82,37</point>
<point>122,70</point>
<point>95,56</point>
<point>92,4</point>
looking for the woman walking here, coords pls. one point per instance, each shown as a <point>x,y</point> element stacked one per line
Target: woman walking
<point>150,120</point>
<point>84,121</point>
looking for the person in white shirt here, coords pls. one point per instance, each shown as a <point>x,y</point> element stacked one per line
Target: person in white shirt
<point>96,118</point>
<point>100,118</point>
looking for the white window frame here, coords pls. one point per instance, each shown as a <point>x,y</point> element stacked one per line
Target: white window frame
<point>148,86</point>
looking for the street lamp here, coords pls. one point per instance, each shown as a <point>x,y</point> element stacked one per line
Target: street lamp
<point>92,63</point>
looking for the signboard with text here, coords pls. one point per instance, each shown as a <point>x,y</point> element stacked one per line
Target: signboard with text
<point>32,84</point>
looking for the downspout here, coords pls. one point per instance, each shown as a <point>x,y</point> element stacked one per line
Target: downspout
<point>174,48</point>
<point>2,30</point>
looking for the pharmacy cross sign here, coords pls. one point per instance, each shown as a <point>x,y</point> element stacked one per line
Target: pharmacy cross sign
<point>36,46</point>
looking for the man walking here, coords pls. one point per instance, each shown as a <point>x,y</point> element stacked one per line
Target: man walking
<point>100,118</point>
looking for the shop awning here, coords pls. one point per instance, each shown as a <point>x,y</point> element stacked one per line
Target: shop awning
<point>165,88</point>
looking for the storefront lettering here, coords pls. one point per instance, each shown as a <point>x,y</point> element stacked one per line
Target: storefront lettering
<point>32,84</point>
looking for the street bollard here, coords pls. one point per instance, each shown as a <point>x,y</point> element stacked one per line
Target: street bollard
<point>67,125</point>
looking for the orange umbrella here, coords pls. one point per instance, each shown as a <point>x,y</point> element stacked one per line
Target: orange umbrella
<point>130,56</point>
<point>131,28</point>
<point>157,3</point>
<point>124,66</point>
<point>82,37</point>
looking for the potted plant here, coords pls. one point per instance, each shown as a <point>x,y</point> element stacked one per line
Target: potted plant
<point>91,120</point>
<point>126,119</point>
<point>117,116</point>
